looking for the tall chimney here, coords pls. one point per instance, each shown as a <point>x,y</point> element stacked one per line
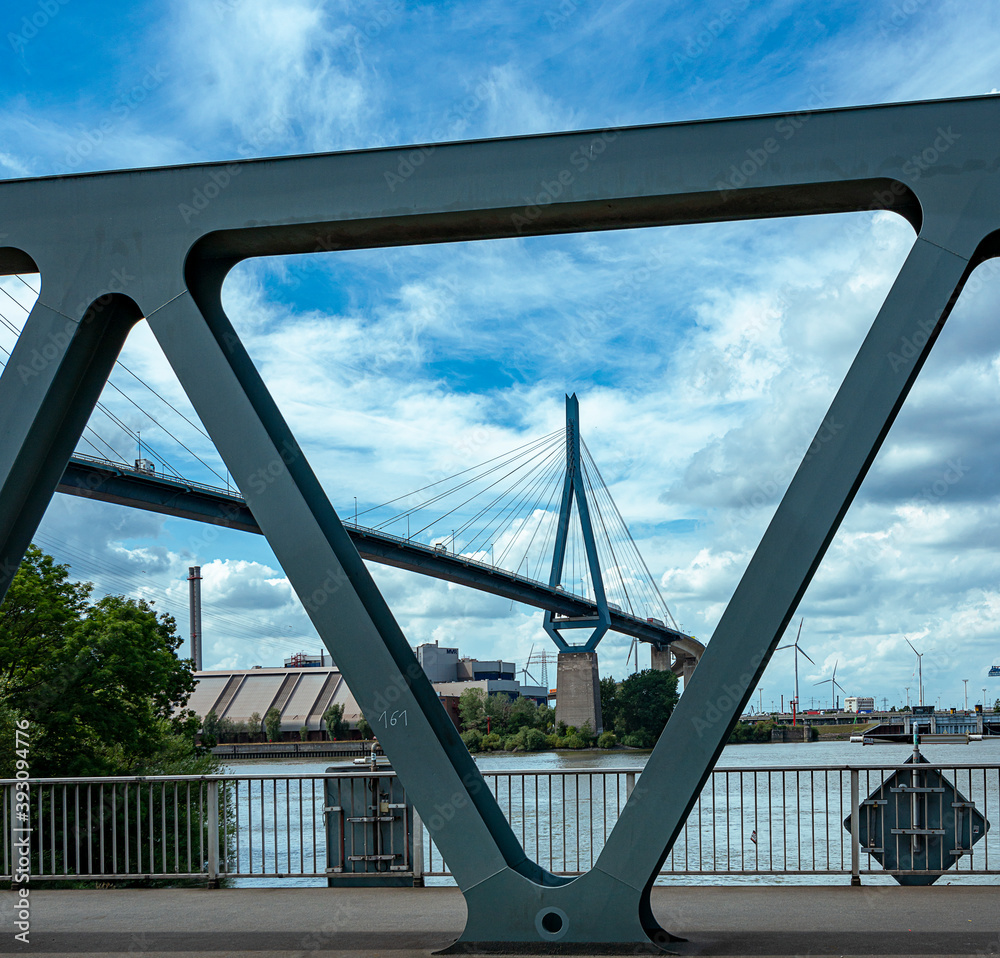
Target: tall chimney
<point>194,590</point>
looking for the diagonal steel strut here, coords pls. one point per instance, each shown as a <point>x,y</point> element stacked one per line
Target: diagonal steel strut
<point>112,248</point>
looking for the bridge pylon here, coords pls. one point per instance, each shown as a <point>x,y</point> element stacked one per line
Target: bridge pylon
<point>578,695</point>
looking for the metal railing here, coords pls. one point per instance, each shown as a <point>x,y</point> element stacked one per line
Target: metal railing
<point>770,821</point>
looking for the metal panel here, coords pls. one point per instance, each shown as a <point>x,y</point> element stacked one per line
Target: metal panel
<point>298,708</point>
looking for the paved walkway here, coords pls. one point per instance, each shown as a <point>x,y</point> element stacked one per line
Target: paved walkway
<point>397,923</point>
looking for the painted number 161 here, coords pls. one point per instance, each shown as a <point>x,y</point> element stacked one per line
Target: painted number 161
<point>392,718</point>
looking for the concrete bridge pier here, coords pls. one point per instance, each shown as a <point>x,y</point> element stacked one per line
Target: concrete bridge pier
<point>578,690</point>
<point>680,663</point>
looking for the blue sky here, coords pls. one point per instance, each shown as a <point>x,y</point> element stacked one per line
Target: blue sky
<point>704,356</point>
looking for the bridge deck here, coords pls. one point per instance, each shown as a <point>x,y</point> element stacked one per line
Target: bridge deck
<point>281,922</point>
<point>115,482</point>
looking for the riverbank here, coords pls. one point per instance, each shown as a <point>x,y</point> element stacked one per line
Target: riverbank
<point>294,750</point>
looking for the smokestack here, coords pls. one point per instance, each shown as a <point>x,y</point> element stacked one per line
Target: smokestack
<point>194,590</point>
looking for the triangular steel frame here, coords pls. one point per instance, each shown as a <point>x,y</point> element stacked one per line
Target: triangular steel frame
<point>574,489</point>
<point>113,247</point>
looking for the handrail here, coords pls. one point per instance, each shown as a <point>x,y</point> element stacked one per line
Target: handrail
<point>366,771</point>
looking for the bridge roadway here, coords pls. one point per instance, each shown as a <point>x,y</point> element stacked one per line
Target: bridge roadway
<point>819,921</point>
<point>115,482</point>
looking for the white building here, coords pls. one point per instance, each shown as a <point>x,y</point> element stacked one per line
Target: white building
<point>859,703</point>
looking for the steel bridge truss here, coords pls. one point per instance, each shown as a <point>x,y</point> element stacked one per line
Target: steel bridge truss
<point>112,248</point>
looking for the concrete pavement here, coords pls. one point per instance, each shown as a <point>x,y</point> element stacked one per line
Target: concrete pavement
<point>342,923</point>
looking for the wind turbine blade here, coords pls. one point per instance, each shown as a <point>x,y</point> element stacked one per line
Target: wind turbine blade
<point>780,647</point>
<point>910,644</point>
<point>807,655</point>
<point>820,683</point>
<point>799,633</point>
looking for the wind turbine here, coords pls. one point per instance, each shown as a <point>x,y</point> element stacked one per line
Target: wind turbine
<point>632,648</point>
<point>834,685</point>
<point>795,645</point>
<point>920,671</point>
<point>525,674</point>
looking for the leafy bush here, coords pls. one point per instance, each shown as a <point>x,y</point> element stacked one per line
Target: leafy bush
<point>491,742</point>
<point>640,739</point>
<point>473,740</point>
<point>534,740</point>
<point>515,743</point>
<point>607,740</point>
<point>744,732</point>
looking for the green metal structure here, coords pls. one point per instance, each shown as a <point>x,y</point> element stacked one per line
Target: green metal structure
<point>113,248</point>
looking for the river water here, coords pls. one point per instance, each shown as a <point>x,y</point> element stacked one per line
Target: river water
<point>752,817</point>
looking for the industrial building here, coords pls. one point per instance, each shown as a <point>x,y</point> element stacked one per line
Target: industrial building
<point>309,684</point>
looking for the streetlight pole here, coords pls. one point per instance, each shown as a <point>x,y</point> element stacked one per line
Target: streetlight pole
<point>760,699</point>
<point>965,682</point>
<point>355,511</point>
<point>907,696</point>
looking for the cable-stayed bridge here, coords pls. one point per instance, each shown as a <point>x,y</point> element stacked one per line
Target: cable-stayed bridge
<point>536,525</point>
<point>474,564</point>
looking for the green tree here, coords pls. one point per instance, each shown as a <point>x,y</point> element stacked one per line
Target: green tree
<point>304,733</point>
<point>210,730</point>
<point>498,708</point>
<point>609,701</point>
<point>101,683</point>
<point>272,723</point>
<point>254,724</point>
<point>364,728</point>
<point>104,693</point>
<point>334,719</point>
<point>645,701</point>
<point>546,719</point>
<point>472,710</point>
<point>228,730</point>
<point>523,714</point>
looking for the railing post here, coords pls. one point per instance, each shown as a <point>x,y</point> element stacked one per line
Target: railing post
<point>10,835</point>
<point>855,828</point>
<point>213,834</point>
<point>629,784</point>
<point>417,827</point>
